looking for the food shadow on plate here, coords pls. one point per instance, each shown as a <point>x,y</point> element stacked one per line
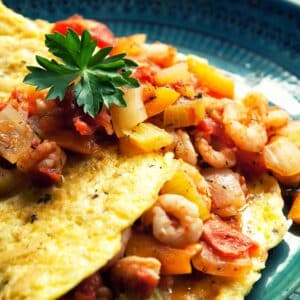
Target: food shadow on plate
<point>295,229</point>
<point>276,257</point>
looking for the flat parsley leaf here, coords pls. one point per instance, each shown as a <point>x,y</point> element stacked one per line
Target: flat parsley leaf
<point>95,78</point>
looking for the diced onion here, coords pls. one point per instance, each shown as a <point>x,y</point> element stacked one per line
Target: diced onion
<point>125,118</point>
<point>15,134</point>
<point>178,72</point>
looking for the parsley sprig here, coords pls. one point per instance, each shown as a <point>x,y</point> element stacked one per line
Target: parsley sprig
<point>95,78</point>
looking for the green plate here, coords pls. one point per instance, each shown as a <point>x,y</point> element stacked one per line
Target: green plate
<point>258,40</point>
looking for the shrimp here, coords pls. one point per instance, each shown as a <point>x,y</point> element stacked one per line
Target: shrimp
<point>276,118</point>
<point>44,163</point>
<point>249,136</point>
<point>184,148</point>
<point>227,190</point>
<point>139,275</point>
<point>214,107</point>
<point>224,158</point>
<point>257,106</point>
<point>183,227</point>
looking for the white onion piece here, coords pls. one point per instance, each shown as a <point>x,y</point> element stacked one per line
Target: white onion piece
<point>125,118</point>
<point>15,134</point>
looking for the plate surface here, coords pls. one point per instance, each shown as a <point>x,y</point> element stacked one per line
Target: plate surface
<point>258,40</point>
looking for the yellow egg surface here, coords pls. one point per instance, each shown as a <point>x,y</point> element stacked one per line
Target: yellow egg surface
<point>51,239</point>
<point>20,40</point>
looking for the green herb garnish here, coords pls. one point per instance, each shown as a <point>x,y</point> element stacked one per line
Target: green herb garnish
<point>95,79</point>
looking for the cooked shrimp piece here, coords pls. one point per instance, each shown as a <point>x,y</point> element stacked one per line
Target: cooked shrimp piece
<point>44,163</point>
<point>227,190</point>
<point>176,221</point>
<point>276,118</point>
<point>214,107</point>
<point>138,275</point>
<point>224,158</point>
<point>257,106</point>
<point>184,148</point>
<point>247,133</point>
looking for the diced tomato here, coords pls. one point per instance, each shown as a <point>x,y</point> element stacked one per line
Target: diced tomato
<point>75,22</point>
<point>48,176</point>
<point>208,127</point>
<point>27,99</point>
<point>185,89</point>
<point>213,94</point>
<point>99,31</point>
<point>145,74</point>
<point>82,127</point>
<point>226,240</point>
<point>208,261</point>
<point>86,125</point>
<point>104,119</point>
<point>2,106</point>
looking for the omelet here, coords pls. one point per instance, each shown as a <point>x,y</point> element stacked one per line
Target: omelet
<point>51,239</point>
<point>20,40</point>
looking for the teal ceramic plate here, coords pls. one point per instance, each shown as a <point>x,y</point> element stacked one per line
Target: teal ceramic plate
<point>258,40</point>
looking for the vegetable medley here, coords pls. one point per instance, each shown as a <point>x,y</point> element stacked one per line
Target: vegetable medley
<point>150,98</point>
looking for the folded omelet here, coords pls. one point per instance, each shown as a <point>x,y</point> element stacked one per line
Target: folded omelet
<point>51,239</point>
